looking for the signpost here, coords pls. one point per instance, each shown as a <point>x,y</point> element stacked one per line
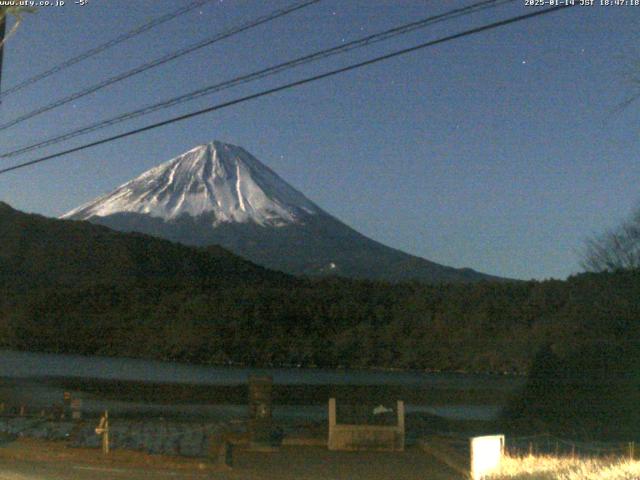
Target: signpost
<point>260,421</point>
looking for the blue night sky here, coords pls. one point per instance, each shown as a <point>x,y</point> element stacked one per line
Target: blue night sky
<point>501,151</point>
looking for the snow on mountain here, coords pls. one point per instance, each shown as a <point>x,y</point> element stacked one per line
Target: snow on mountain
<point>219,194</point>
<point>216,178</point>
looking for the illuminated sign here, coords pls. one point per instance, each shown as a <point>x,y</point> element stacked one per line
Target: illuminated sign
<point>486,454</point>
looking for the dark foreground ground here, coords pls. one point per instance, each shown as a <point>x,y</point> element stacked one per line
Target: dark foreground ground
<point>26,459</point>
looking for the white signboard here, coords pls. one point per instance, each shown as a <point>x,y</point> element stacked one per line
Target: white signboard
<point>486,454</point>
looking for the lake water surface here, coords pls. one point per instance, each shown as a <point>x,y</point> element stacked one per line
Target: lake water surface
<point>28,368</point>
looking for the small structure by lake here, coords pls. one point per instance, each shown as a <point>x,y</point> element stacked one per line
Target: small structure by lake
<point>346,436</point>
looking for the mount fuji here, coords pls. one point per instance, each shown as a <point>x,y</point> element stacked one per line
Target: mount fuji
<point>220,194</point>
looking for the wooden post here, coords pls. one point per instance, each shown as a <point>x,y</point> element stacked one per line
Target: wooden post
<point>332,422</point>
<point>632,448</point>
<point>573,451</point>
<point>400,410</point>
<point>103,429</point>
<point>225,456</point>
<point>66,405</point>
<point>531,449</point>
<point>332,413</point>
<point>105,436</point>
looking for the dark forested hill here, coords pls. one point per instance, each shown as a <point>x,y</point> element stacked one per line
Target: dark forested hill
<point>39,251</point>
<point>70,286</point>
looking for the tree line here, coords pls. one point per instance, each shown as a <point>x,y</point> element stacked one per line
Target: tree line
<point>73,287</point>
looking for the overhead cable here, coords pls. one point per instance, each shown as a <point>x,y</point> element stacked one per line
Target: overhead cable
<point>291,85</point>
<point>105,46</point>
<point>263,73</point>
<point>160,61</point>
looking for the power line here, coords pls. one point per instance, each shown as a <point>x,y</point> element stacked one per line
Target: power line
<point>322,54</point>
<point>101,48</point>
<point>287,86</point>
<point>162,60</point>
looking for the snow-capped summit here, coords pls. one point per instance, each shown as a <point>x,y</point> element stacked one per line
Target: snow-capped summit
<point>216,178</point>
<point>219,194</point>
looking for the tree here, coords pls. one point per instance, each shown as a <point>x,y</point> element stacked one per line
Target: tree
<point>4,35</point>
<point>590,392</point>
<point>617,249</point>
<point>16,12</point>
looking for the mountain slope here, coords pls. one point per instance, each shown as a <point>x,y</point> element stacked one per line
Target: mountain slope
<point>40,251</point>
<point>220,194</point>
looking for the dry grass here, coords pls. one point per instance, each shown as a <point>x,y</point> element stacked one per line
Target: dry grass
<point>562,468</point>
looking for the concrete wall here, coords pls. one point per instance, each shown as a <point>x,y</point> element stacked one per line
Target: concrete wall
<point>365,437</point>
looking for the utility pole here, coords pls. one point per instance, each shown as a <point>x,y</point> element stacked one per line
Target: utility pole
<point>3,27</point>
